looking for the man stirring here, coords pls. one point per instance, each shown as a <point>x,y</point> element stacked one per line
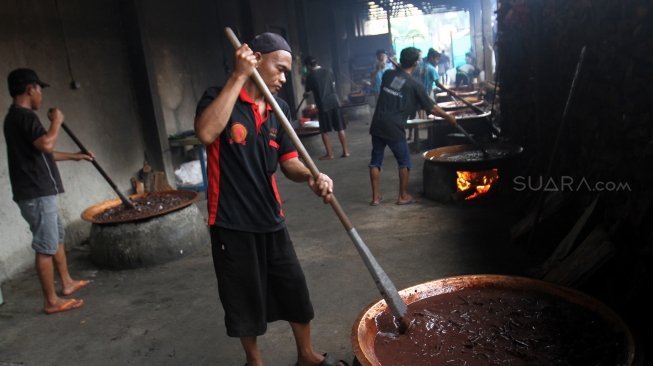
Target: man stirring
<point>259,276</point>
<point>35,183</point>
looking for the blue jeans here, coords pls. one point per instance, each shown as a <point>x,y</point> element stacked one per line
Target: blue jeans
<point>42,215</point>
<point>398,148</point>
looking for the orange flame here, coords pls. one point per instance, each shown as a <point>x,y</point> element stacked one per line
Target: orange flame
<point>479,181</point>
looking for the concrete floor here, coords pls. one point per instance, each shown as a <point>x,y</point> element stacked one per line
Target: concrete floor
<point>170,314</point>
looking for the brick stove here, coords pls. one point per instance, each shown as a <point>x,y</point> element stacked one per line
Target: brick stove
<point>462,173</point>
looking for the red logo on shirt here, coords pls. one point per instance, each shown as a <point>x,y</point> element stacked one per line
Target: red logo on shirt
<point>238,133</point>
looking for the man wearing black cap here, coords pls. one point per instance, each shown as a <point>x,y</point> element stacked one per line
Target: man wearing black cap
<point>35,183</point>
<point>259,276</point>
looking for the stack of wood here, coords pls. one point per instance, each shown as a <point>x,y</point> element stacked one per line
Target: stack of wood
<point>607,139</point>
<point>608,136</point>
<point>149,180</point>
<point>579,254</point>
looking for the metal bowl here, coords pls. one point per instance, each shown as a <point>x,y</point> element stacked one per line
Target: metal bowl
<point>457,104</point>
<point>444,96</point>
<point>464,115</point>
<point>188,197</point>
<point>498,154</point>
<point>365,329</point>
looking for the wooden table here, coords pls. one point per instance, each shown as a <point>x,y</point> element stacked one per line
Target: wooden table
<point>418,123</point>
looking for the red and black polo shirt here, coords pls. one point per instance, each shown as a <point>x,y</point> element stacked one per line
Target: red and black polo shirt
<point>242,192</point>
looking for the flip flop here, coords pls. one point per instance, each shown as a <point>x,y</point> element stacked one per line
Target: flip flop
<point>67,304</point>
<point>376,203</point>
<point>78,286</point>
<point>407,202</point>
<point>329,361</point>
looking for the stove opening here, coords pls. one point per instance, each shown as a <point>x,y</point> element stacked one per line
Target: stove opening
<point>474,184</point>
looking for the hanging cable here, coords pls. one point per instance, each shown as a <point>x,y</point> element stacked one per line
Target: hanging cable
<point>73,84</point>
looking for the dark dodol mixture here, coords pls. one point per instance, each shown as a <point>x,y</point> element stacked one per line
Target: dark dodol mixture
<point>147,206</point>
<point>493,326</point>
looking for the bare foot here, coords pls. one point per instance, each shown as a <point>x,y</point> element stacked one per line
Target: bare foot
<point>344,155</point>
<point>376,201</point>
<point>407,200</point>
<point>326,157</point>
<point>63,305</point>
<point>74,287</point>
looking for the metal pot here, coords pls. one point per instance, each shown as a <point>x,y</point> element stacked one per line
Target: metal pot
<point>186,198</point>
<point>461,92</point>
<point>478,125</point>
<point>498,154</point>
<point>364,331</point>
<point>456,105</point>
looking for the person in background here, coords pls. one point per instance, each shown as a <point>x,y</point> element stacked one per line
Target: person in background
<point>418,74</point>
<point>466,73</point>
<point>380,66</point>
<point>259,276</point>
<point>35,184</point>
<point>321,82</point>
<point>401,95</point>
<point>443,66</point>
<point>429,72</point>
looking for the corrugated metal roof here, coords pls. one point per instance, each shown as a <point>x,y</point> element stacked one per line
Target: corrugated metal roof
<point>401,8</point>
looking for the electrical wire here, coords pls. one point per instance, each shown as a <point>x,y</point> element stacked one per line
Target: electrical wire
<point>73,83</point>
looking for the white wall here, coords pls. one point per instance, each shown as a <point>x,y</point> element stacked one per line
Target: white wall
<point>185,51</point>
<point>102,113</point>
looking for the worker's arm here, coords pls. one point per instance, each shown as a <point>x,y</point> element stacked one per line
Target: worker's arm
<point>212,121</point>
<point>61,156</point>
<point>45,143</point>
<point>296,171</point>
<point>441,113</point>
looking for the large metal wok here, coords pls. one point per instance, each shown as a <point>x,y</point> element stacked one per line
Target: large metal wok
<point>181,199</point>
<point>477,124</point>
<point>456,104</point>
<point>471,158</point>
<point>162,226</point>
<point>461,92</point>
<point>365,329</point>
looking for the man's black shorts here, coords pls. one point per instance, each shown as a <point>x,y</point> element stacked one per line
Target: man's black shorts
<point>259,280</point>
<point>331,120</point>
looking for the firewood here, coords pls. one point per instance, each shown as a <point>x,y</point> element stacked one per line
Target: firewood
<point>137,185</point>
<point>148,182</point>
<point>462,195</point>
<point>565,246</point>
<point>591,254</point>
<point>160,182</point>
<point>552,204</point>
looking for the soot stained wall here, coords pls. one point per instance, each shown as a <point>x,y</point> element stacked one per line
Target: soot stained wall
<point>606,137</point>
